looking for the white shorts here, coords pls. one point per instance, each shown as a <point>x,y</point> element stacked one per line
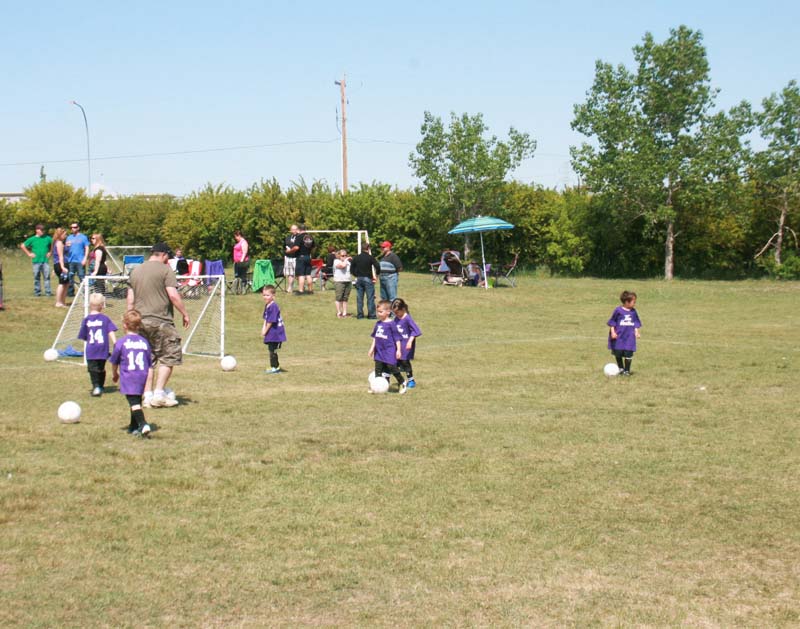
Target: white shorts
<point>289,266</point>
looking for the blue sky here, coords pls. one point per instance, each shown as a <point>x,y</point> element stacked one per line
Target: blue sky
<point>214,77</point>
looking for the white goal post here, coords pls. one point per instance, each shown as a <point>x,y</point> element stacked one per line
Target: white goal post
<point>203,297</point>
<point>362,234</point>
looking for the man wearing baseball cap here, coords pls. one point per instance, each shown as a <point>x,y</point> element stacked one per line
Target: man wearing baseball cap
<point>154,292</point>
<point>390,267</point>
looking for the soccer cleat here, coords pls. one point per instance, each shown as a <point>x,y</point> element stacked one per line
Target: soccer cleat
<point>97,392</point>
<point>626,373</point>
<point>145,432</point>
<point>403,388</point>
<point>411,383</point>
<point>273,370</point>
<point>162,401</point>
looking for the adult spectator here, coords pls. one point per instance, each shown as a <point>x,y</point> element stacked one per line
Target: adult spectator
<point>390,267</point>
<point>99,257</point>
<point>77,247</point>
<point>241,257</point>
<point>181,263</point>
<point>305,243</point>
<point>37,248</point>
<point>365,269</point>
<point>290,257</point>
<point>153,292</point>
<point>60,268</point>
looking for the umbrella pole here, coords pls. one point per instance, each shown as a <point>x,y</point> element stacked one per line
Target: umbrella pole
<point>483,257</point>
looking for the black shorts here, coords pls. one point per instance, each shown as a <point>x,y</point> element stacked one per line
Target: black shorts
<point>622,353</point>
<point>303,266</point>
<point>61,273</point>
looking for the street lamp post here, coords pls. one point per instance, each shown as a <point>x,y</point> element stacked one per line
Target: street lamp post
<point>88,153</point>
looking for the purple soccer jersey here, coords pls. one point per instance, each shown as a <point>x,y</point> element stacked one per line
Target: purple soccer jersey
<point>406,328</point>
<point>276,332</point>
<point>386,337</point>
<point>94,330</point>
<point>624,322</point>
<point>132,354</point>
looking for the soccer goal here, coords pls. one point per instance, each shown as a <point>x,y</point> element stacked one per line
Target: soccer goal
<point>203,298</point>
<point>362,236</point>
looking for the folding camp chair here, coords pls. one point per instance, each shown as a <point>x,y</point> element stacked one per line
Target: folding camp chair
<point>131,262</point>
<point>316,271</point>
<point>277,270</point>
<point>507,273</point>
<point>440,270</point>
<point>189,285</point>
<point>455,275</point>
<point>263,275</point>
<point>214,267</point>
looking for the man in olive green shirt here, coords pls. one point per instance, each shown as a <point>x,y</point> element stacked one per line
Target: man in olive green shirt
<point>153,292</point>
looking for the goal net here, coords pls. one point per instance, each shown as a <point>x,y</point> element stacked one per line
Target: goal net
<point>203,297</point>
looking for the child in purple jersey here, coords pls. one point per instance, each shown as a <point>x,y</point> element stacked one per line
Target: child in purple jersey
<point>97,330</point>
<point>272,330</point>
<point>131,360</point>
<point>408,330</point>
<point>385,349</point>
<point>623,331</point>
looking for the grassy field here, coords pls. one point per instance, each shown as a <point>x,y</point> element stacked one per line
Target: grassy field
<point>515,486</point>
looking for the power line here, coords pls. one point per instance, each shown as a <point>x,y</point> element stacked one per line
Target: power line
<point>171,153</point>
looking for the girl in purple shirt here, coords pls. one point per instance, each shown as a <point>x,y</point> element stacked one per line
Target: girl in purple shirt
<point>272,329</point>
<point>385,349</point>
<point>409,331</point>
<point>131,360</point>
<point>623,331</point>
<point>97,331</point>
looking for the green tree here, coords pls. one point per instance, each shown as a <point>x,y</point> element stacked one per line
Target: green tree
<point>463,172</point>
<point>657,146</point>
<point>777,168</point>
<point>56,203</point>
<point>136,220</point>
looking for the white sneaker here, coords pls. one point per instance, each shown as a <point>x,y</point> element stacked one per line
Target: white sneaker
<point>159,401</point>
<point>403,389</point>
<point>145,430</point>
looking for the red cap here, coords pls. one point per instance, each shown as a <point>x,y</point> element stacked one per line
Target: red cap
<point>386,245</point>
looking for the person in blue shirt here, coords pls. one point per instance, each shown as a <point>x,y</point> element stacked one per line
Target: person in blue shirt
<point>77,249</point>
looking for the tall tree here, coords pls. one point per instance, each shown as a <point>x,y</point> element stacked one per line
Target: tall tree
<point>462,169</point>
<point>777,168</point>
<point>653,133</point>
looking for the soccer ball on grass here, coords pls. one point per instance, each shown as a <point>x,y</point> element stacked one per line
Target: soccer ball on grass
<point>51,354</point>
<point>228,363</point>
<point>379,385</point>
<point>611,370</point>
<point>69,413</point>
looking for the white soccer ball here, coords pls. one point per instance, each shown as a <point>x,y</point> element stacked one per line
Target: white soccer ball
<point>371,377</point>
<point>51,354</point>
<point>379,385</point>
<point>228,363</point>
<point>69,413</point>
<point>611,370</point>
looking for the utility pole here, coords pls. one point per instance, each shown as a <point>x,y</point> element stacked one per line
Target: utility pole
<point>342,86</point>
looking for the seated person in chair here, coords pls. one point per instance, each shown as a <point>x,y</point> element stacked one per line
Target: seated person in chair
<point>475,274</point>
